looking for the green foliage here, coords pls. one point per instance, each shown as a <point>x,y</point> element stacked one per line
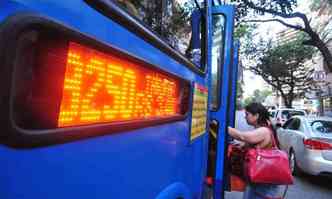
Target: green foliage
<point>239,94</point>
<point>248,100</point>
<point>169,19</point>
<point>244,31</point>
<point>283,67</point>
<point>239,90</point>
<point>285,59</point>
<point>244,6</point>
<point>260,95</point>
<point>316,4</point>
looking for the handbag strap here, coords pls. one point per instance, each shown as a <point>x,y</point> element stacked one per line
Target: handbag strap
<point>274,143</point>
<point>285,192</point>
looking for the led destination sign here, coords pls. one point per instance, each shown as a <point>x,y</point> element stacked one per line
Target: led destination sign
<point>101,87</point>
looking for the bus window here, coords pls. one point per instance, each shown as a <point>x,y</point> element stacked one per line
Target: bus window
<point>217,52</point>
<point>168,18</point>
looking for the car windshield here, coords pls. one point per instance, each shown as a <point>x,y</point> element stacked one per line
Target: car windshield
<point>321,126</point>
<point>293,113</point>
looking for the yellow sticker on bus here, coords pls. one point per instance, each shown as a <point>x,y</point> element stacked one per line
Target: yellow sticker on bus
<point>199,111</point>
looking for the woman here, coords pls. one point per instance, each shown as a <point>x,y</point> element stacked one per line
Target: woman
<point>258,117</point>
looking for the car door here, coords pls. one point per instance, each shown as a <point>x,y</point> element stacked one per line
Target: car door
<point>282,134</point>
<point>291,134</point>
<point>295,135</point>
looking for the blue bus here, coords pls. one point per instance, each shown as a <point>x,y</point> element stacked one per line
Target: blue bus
<point>115,98</point>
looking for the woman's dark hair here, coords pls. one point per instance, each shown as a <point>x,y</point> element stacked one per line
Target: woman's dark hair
<point>257,108</point>
<point>264,117</point>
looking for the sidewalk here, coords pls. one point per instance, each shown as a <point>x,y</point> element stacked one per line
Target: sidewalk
<point>233,195</point>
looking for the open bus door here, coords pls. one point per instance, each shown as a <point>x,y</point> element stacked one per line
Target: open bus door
<point>234,74</point>
<point>234,183</point>
<point>222,24</point>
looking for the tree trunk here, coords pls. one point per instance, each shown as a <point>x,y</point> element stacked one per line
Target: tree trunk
<point>287,100</point>
<point>290,99</point>
<point>322,47</point>
<point>326,54</point>
<point>288,104</point>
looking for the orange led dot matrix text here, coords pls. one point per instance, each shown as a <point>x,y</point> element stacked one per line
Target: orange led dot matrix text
<point>100,87</point>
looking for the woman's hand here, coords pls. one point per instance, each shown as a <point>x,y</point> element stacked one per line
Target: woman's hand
<point>232,132</point>
<point>240,144</point>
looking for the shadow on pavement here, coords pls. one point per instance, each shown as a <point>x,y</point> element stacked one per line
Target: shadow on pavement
<point>322,182</point>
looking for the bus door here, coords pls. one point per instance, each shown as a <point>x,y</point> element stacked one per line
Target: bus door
<point>233,182</point>
<point>221,61</point>
<point>234,74</point>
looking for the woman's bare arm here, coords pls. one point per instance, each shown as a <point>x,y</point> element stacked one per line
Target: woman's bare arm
<point>252,137</point>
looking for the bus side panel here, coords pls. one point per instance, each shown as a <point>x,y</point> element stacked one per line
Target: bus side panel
<point>115,165</point>
<point>139,163</point>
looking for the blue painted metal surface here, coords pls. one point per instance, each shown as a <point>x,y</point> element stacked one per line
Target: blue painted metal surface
<point>221,115</point>
<point>235,67</point>
<point>142,163</point>
<point>196,24</point>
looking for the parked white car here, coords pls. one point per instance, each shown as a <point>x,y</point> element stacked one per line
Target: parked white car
<point>272,114</point>
<point>280,116</point>
<point>308,142</point>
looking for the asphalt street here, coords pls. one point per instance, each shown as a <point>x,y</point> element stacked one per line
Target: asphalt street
<point>305,187</point>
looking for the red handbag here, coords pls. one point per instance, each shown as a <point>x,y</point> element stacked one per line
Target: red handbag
<point>268,166</point>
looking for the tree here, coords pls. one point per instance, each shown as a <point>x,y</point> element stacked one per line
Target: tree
<point>248,100</point>
<point>283,68</point>
<point>317,3</point>
<point>285,10</point>
<point>260,95</point>
<point>239,95</point>
<point>170,19</point>
<point>324,14</point>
